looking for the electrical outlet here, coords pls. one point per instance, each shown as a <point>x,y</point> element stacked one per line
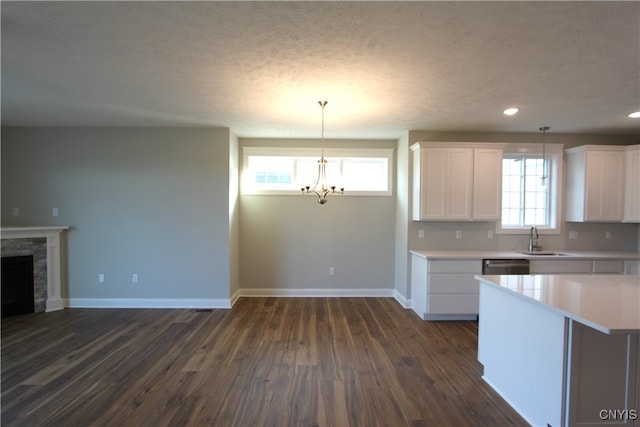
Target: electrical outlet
<point>134,278</point>
<point>458,234</point>
<point>421,234</point>
<point>607,234</point>
<point>54,211</point>
<point>490,234</point>
<point>332,271</point>
<point>573,235</point>
<point>100,278</point>
<point>15,211</point>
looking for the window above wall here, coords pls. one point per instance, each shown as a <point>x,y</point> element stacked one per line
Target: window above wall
<point>278,170</point>
<point>527,199</point>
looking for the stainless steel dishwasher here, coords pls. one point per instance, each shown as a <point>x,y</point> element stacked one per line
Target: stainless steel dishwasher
<point>505,266</point>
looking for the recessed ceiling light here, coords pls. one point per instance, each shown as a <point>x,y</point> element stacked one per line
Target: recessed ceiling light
<point>510,111</point>
<point>635,115</point>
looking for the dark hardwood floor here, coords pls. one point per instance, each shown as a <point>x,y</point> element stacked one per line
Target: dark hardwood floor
<point>267,361</point>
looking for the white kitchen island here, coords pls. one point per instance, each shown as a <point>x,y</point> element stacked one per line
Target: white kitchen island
<point>563,350</point>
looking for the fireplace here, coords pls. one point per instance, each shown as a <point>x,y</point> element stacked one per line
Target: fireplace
<point>17,285</point>
<point>46,246</point>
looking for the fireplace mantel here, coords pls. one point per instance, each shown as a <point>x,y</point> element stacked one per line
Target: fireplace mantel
<point>54,260</point>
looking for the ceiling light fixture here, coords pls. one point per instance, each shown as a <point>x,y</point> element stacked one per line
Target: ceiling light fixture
<point>635,115</point>
<point>320,187</point>
<point>510,111</point>
<point>543,178</point>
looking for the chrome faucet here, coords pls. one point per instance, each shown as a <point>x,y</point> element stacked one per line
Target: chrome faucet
<point>533,240</point>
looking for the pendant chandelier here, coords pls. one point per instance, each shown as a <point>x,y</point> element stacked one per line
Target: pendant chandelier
<point>320,187</point>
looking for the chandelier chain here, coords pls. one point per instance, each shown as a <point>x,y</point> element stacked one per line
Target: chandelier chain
<point>322,104</point>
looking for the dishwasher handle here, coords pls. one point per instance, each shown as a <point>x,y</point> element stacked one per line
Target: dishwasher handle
<point>490,263</point>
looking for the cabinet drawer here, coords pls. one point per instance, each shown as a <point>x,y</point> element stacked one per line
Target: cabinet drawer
<point>452,284</point>
<point>561,267</point>
<point>453,266</point>
<point>608,266</point>
<point>453,304</point>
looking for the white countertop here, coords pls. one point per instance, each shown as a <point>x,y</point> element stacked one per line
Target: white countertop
<point>567,255</point>
<point>607,303</point>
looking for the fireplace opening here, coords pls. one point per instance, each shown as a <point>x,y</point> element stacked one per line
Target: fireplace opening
<point>17,285</point>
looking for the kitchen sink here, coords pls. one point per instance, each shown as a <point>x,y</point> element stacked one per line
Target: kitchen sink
<point>543,253</point>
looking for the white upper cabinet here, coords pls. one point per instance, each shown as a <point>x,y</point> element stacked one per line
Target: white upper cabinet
<point>595,183</point>
<point>487,183</point>
<point>456,182</point>
<point>632,184</point>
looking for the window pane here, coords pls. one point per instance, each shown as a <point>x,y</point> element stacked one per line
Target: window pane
<point>284,173</point>
<point>365,174</point>
<point>525,200</point>
<point>270,172</point>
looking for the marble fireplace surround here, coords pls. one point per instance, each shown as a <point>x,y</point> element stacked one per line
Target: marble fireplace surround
<point>54,257</point>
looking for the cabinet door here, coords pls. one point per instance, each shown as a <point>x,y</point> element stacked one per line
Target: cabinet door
<point>446,182</point>
<point>632,185</point>
<point>419,285</point>
<point>604,185</point>
<point>433,183</point>
<point>459,183</point>
<point>487,184</point>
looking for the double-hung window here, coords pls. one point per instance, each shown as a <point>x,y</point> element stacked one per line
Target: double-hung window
<point>531,189</point>
<point>278,170</point>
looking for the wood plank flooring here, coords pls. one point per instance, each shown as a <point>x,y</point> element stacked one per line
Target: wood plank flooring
<point>266,362</point>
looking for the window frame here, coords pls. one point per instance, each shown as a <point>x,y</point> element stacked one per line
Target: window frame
<point>554,154</point>
<point>314,153</point>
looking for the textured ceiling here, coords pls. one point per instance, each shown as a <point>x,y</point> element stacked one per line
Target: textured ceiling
<point>259,68</point>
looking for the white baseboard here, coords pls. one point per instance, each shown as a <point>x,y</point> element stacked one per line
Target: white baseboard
<point>146,303</point>
<point>228,303</point>
<point>404,302</point>
<point>326,293</point>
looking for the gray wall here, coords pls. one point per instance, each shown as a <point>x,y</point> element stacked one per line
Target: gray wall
<point>164,203</point>
<point>155,202</point>
<point>289,242</point>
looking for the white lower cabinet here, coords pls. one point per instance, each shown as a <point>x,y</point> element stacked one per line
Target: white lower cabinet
<point>444,289</point>
<point>448,290</point>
